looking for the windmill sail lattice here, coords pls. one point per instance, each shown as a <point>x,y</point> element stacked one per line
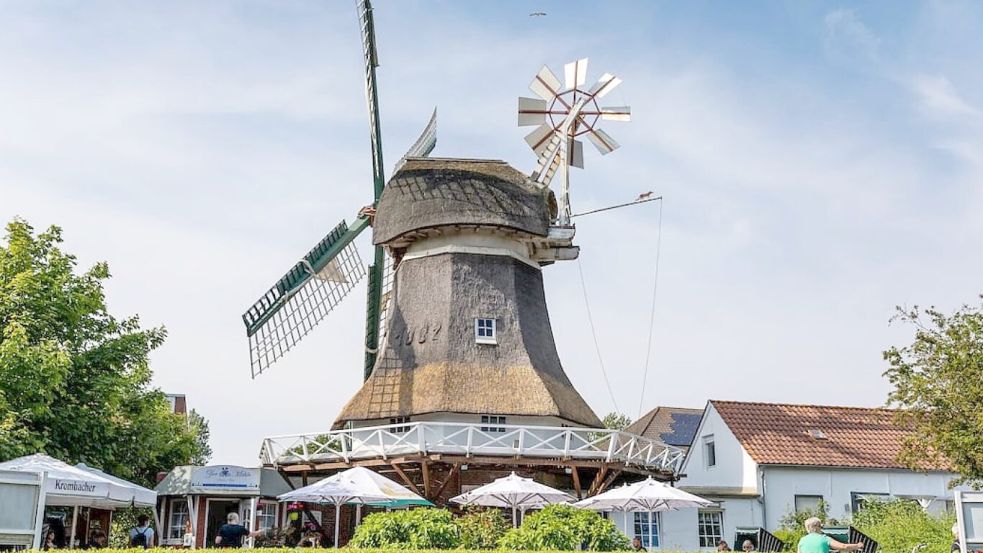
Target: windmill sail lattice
<point>322,278</point>
<point>304,296</point>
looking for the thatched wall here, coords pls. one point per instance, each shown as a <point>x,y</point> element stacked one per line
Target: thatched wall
<point>431,363</point>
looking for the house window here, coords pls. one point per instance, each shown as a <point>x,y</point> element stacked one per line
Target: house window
<point>484,331</point>
<point>807,503</point>
<point>179,514</point>
<point>642,529</point>
<point>858,499</point>
<point>492,419</point>
<point>709,451</point>
<point>710,525</point>
<point>265,516</point>
<point>399,424</point>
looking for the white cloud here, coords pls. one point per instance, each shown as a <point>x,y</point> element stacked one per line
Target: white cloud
<point>938,96</point>
<point>846,36</point>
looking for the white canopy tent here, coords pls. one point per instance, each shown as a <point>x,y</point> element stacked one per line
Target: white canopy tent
<point>81,486</point>
<point>649,496</point>
<point>515,492</point>
<point>356,486</point>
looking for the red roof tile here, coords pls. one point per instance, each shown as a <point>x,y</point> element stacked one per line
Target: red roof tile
<point>816,435</point>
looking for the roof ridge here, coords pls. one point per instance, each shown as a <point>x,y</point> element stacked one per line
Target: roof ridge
<point>778,404</point>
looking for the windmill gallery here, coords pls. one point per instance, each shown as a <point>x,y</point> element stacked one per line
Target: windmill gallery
<point>463,382</point>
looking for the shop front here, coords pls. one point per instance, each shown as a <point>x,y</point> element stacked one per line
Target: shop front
<point>194,502</point>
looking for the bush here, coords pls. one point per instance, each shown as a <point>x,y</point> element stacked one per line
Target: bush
<point>407,529</point>
<point>562,527</point>
<point>900,525</point>
<point>482,528</point>
<point>793,524</point>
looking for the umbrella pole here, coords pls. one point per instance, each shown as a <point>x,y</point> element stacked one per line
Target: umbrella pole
<point>75,517</point>
<point>337,522</point>
<point>358,514</point>
<point>515,524</point>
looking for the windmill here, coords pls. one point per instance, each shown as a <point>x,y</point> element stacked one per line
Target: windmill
<point>464,379</point>
<point>318,282</point>
<point>562,114</point>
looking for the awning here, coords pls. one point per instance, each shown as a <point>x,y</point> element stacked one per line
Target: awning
<point>81,485</point>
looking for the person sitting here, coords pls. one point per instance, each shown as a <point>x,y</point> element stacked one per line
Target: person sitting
<point>748,545</point>
<point>636,544</point>
<point>231,533</point>
<point>722,546</point>
<point>817,542</point>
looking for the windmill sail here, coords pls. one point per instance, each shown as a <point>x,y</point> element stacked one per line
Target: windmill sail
<point>423,145</point>
<point>304,296</point>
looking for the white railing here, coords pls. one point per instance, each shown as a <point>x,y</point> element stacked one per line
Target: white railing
<point>451,438</point>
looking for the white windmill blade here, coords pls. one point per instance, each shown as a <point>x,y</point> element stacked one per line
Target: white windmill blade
<point>575,73</point>
<point>545,84</point>
<point>532,111</point>
<point>605,84</point>
<point>602,141</point>
<point>539,138</point>
<point>619,113</point>
<point>577,154</point>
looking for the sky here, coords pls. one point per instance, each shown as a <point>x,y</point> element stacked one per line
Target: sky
<point>820,163</point>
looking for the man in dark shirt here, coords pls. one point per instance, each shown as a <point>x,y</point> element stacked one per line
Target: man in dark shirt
<point>231,533</point>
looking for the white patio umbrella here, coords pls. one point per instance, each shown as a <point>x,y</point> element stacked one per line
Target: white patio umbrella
<point>515,492</point>
<point>356,486</point>
<point>649,496</point>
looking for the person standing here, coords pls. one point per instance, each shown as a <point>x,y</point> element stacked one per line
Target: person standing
<point>142,535</point>
<point>817,542</point>
<point>231,533</point>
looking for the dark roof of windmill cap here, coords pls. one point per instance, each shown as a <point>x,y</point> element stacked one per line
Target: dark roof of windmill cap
<point>433,192</point>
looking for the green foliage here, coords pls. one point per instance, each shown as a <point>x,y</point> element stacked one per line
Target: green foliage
<point>793,524</point>
<point>938,385</point>
<point>562,527</point>
<point>900,525</point>
<point>407,529</point>
<point>74,379</point>
<point>616,421</point>
<point>482,528</point>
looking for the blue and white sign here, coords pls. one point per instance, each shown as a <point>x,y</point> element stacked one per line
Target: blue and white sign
<point>225,479</point>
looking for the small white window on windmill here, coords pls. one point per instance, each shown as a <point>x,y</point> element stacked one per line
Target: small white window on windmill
<point>817,434</point>
<point>484,331</point>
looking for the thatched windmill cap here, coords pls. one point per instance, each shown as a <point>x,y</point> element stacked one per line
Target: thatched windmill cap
<point>428,193</point>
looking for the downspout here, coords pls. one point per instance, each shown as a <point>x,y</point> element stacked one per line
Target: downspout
<point>761,498</point>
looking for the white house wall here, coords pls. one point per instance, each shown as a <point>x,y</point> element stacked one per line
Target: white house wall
<point>734,469</point>
<point>782,484</point>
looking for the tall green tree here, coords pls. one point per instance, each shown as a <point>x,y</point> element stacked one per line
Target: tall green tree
<point>938,386</point>
<point>74,379</point>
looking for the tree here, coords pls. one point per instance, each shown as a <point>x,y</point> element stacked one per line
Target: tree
<point>74,379</point>
<point>616,421</point>
<point>938,387</point>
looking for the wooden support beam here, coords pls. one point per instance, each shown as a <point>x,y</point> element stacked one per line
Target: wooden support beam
<point>455,470</point>
<point>576,482</point>
<point>303,478</point>
<point>425,468</point>
<point>405,478</point>
<point>608,481</point>
<point>598,479</point>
